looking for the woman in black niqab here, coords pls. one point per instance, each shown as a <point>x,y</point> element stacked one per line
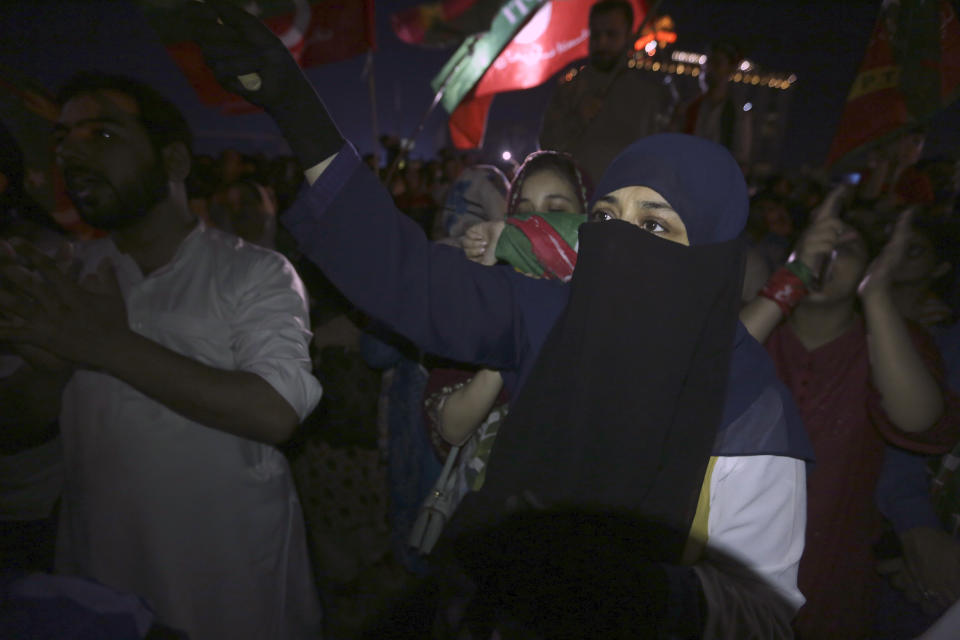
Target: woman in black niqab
<point>646,374</point>
<point>633,385</point>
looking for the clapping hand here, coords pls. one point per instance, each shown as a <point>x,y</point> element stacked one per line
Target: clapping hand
<point>46,313</point>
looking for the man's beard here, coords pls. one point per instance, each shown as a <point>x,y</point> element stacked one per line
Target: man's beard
<point>604,62</point>
<point>127,204</point>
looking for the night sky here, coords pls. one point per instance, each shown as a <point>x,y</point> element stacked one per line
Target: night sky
<point>821,41</point>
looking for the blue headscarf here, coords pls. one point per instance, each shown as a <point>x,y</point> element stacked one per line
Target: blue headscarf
<point>699,178</point>
<point>648,372</point>
<point>705,186</point>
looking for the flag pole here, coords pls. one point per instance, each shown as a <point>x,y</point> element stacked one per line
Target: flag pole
<point>374,120</point>
<point>423,121</point>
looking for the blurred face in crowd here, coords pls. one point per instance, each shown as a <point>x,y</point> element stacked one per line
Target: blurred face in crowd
<point>609,36</point>
<point>412,177</point>
<point>231,165</point>
<point>717,69</point>
<point>845,272</point>
<point>245,211</point>
<point>644,208</point>
<point>398,186</point>
<point>910,148</point>
<point>776,218</point>
<point>114,175</point>
<point>548,191</point>
<point>920,262</point>
<point>783,187</point>
<point>451,168</point>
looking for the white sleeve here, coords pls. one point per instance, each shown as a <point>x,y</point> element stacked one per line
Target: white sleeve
<point>271,332</point>
<point>758,515</point>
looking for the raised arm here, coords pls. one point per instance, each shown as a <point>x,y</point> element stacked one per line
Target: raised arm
<point>929,566</point>
<point>346,221</point>
<point>762,314</point>
<point>912,398</point>
<point>347,224</point>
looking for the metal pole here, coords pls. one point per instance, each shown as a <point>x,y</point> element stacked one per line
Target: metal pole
<point>423,120</point>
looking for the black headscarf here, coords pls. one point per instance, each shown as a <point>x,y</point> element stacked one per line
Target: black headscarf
<point>630,389</point>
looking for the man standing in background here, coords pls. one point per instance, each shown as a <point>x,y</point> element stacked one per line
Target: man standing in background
<point>714,114</point>
<point>606,105</point>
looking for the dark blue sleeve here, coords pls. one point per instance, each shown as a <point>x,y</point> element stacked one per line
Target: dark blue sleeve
<point>903,491</point>
<point>346,223</point>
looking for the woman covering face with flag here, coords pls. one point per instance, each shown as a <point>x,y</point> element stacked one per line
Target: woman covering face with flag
<point>546,204</point>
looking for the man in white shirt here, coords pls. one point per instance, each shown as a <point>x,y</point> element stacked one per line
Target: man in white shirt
<point>188,350</point>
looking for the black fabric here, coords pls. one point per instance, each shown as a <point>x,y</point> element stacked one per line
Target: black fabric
<point>699,178</point>
<point>562,574</point>
<point>623,406</point>
<point>235,43</point>
<point>306,125</point>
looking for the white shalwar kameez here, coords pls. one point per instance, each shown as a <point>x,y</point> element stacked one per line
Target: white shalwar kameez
<point>206,526</point>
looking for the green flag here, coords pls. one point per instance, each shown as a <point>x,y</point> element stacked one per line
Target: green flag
<point>477,53</point>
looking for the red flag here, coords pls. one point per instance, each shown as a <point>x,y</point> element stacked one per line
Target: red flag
<point>443,23</point>
<point>468,122</point>
<point>555,37</point>
<point>911,69</point>
<point>316,32</point>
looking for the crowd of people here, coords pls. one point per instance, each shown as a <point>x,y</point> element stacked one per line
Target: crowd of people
<point>628,388</point>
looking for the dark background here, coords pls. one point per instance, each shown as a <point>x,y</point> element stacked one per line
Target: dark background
<point>821,41</point>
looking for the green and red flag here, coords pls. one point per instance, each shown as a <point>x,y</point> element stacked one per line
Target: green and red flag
<point>911,70</point>
<point>545,37</point>
<point>542,245</point>
<point>315,31</point>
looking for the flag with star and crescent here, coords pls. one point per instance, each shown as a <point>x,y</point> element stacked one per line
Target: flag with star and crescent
<point>315,31</point>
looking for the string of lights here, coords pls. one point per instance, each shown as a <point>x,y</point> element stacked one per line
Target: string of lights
<point>689,63</point>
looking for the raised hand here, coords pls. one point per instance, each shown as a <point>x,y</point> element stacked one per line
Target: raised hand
<point>245,56</point>
<point>480,242</point>
<point>877,278</point>
<point>248,59</point>
<point>817,242</point>
<point>44,311</point>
